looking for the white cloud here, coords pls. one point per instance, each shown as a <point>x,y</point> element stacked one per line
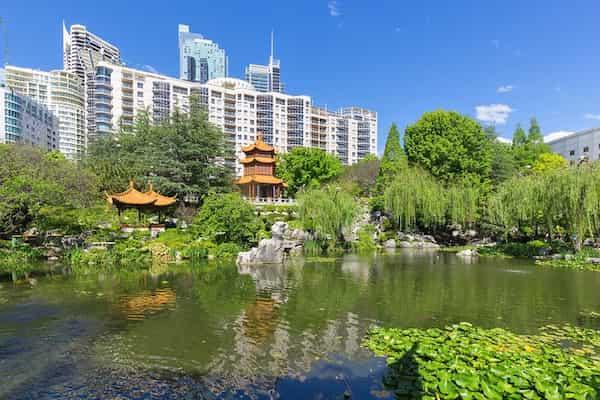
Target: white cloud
<point>493,113</point>
<point>334,11</point>
<point>503,140</point>
<point>505,89</point>
<point>592,116</point>
<point>557,135</point>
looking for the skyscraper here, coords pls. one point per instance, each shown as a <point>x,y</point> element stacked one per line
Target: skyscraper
<point>63,94</point>
<point>200,59</point>
<point>266,78</point>
<point>82,50</point>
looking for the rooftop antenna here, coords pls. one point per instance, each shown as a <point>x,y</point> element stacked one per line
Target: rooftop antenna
<point>272,40</point>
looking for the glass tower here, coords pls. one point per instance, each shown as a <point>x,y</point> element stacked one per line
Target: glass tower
<point>200,59</point>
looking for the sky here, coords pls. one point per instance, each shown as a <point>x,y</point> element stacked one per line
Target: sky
<point>501,62</point>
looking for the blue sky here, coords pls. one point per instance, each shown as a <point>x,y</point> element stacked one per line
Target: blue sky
<point>513,59</point>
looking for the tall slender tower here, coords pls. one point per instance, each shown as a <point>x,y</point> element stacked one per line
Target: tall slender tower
<point>266,78</point>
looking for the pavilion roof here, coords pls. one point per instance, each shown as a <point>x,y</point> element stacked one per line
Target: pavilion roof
<point>259,179</point>
<point>263,160</point>
<point>258,145</point>
<point>135,198</point>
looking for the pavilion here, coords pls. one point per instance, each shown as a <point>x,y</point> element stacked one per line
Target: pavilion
<point>259,181</point>
<point>141,201</point>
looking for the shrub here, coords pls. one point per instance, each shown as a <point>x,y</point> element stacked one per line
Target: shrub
<point>365,243</point>
<point>227,251</point>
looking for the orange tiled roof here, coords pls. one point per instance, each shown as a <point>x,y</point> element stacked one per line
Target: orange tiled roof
<point>161,201</point>
<point>259,144</point>
<point>134,197</point>
<point>264,160</point>
<point>259,179</point>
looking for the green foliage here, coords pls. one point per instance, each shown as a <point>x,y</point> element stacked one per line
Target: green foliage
<point>519,137</point>
<point>535,133</point>
<point>548,162</point>
<point>578,261</point>
<point>449,145</point>
<point>515,249</point>
<point>312,248</point>
<point>304,167</point>
<point>566,198</point>
<point>415,199</point>
<point>38,188</point>
<point>180,156</point>
<point>365,243</point>
<point>393,160</point>
<point>462,361</point>
<point>18,260</point>
<point>226,251</point>
<point>360,178</point>
<point>528,148</point>
<point>327,213</point>
<point>227,218</point>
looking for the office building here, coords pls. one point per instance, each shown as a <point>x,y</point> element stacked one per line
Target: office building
<point>82,51</point>
<point>63,94</point>
<point>237,108</point>
<point>25,121</point>
<point>578,146</point>
<point>266,78</point>
<point>200,59</point>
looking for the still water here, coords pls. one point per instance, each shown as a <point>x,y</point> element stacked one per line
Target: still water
<point>282,332</point>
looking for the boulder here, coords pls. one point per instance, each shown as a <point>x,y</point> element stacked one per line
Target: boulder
<point>557,256</point>
<point>389,244</point>
<point>592,260</point>
<point>569,257</point>
<point>271,251</point>
<point>468,253</point>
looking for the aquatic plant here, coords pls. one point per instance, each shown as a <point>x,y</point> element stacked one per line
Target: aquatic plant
<point>462,361</point>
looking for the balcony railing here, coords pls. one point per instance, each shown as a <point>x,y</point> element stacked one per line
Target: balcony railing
<point>271,200</point>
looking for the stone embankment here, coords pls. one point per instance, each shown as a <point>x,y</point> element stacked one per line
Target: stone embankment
<point>283,243</point>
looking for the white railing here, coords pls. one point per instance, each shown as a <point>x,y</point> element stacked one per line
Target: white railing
<point>271,200</point>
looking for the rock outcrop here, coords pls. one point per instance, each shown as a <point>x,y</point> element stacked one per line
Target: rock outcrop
<point>274,250</point>
<point>416,241</point>
<point>468,253</point>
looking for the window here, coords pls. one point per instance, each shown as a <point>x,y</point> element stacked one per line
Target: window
<point>572,152</point>
<point>586,149</point>
<point>140,85</point>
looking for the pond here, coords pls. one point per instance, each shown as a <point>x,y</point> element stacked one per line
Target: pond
<point>289,332</point>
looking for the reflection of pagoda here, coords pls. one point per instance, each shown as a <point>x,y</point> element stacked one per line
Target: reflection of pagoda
<point>259,179</point>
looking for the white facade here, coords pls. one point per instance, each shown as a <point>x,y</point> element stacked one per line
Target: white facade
<point>237,108</point>
<point>25,121</point>
<point>578,146</point>
<point>62,93</point>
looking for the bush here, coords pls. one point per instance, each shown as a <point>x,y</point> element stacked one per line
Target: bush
<point>227,218</point>
<point>365,243</point>
<point>227,251</point>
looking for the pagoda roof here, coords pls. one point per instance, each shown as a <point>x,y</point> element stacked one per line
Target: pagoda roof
<point>260,179</point>
<point>258,145</point>
<point>263,160</point>
<point>135,198</point>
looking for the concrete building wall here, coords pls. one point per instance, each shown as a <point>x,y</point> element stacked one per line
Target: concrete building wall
<point>579,145</point>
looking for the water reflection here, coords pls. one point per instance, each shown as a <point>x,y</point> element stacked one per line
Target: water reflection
<point>262,332</point>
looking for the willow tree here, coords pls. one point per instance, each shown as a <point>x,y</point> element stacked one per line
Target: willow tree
<point>557,200</point>
<point>417,200</point>
<point>327,213</point>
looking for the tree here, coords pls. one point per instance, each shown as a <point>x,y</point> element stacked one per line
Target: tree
<point>393,158</point>
<point>184,155</point>
<point>38,189</point>
<point>549,162</point>
<point>360,178</point>
<point>503,159</point>
<point>303,167</point>
<point>327,213</point>
<point>227,218</point>
<point>449,145</point>
<point>535,133</point>
<point>519,137</point>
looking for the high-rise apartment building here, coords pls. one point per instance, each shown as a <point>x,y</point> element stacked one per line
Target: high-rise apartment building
<point>82,51</point>
<point>266,78</point>
<point>63,94</point>
<point>200,59</point>
<point>237,108</point>
<point>23,120</point>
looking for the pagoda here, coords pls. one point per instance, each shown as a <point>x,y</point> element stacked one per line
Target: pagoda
<point>259,179</point>
<point>142,201</point>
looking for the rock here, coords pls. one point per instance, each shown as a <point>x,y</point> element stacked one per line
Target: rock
<point>569,257</point>
<point>296,234</point>
<point>418,245</point>
<point>389,244</point>
<point>468,253</point>
<point>31,232</point>
<point>270,251</point>
<point>428,238</point>
<point>405,244</point>
<point>592,260</point>
<point>557,256</point>
<point>471,233</point>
